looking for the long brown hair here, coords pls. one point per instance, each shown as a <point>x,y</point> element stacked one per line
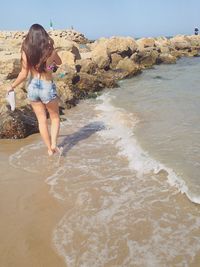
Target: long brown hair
<point>37,46</point>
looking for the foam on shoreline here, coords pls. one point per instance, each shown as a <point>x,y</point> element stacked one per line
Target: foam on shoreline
<point>120,127</point>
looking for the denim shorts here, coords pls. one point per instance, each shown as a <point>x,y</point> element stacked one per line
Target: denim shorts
<point>41,90</point>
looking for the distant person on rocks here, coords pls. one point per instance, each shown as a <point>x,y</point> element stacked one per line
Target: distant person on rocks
<point>40,59</point>
<point>196,31</point>
<point>51,25</point>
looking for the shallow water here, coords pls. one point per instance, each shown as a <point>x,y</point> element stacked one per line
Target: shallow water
<point>167,100</point>
<point>124,211</point>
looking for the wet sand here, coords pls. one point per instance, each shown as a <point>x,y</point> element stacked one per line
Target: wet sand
<point>28,215</point>
<point>105,208</point>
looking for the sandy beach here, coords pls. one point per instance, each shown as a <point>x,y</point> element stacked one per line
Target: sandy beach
<point>106,202</point>
<point>28,215</point>
<point>106,216</point>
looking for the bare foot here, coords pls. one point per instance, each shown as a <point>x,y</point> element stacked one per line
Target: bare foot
<point>50,152</point>
<point>57,149</point>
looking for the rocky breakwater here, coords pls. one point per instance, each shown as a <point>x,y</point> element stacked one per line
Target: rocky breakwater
<point>85,71</point>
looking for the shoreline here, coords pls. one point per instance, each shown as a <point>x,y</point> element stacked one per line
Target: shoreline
<point>42,213</point>
<point>85,70</point>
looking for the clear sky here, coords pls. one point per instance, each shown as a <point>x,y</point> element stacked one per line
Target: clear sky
<point>104,18</point>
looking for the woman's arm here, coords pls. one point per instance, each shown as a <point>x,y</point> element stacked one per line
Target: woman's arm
<point>23,73</point>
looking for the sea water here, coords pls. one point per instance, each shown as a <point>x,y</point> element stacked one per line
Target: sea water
<point>129,171</point>
<point>167,100</point>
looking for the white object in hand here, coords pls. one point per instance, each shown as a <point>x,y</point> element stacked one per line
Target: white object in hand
<point>11,99</point>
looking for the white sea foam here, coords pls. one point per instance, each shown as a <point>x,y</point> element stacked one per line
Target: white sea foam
<point>120,127</point>
<point>33,158</point>
<point>21,158</point>
<point>107,210</point>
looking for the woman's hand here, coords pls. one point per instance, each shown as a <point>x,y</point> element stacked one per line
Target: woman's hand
<point>10,89</point>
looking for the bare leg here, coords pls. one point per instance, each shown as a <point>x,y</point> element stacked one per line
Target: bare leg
<point>40,111</point>
<point>53,110</point>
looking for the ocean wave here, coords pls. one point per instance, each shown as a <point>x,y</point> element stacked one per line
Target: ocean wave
<point>120,129</point>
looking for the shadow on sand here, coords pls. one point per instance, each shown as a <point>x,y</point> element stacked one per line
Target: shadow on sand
<point>86,131</point>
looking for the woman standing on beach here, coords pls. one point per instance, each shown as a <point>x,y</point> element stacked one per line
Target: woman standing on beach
<point>39,58</point>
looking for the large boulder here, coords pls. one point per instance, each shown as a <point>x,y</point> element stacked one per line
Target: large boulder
<point>124,46</point>
<point>129,66</point>
<point>107,79</point>
<point>15,68</point>
<point>86,65</point>
<point>180,42</point>
<point>146,57</point>
<point>17,124</point>
<point>166,58</point>
<point>62,43</point>
<point>84,84</point>
<point>145,42</point>
<point>87,83</point>
<point>68,58</point>
<point>10,66</point>
<point>115,58</point>
<point>103,49</point>
<point>65,93</point>
<point>69,34</point>
<point>163,44</point>
<point>194,41</point>
<point>86,54</point>
<point>100,56</point>
<point>70,47</point>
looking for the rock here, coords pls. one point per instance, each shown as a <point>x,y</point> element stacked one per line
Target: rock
<point>69,52</point>
<point>15,70</point>
<point>193,53</point>
<point>69,34</point>
<point>178,53</point>
<point>86,65</point>
<point>66,95</point>
<point>103,49</point>
<point>163,44</point>
<point>124,46</point>
<point>76,52</point>
<point>194,41</point>
<point>10,67</point>
<point>145,42</point>
<point>110,77</point>
<point>85,71</point>
<point>68,58</point>
<point>86,83</point>
<point>85,55</point>
<point>115,58</point>
<point>128,65</point>
<point>107,78</point>
<point>100,56</point>
<point>180,42</point>
<point>166,59</point>
<point>145,58</point>
<point>18,124</point>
